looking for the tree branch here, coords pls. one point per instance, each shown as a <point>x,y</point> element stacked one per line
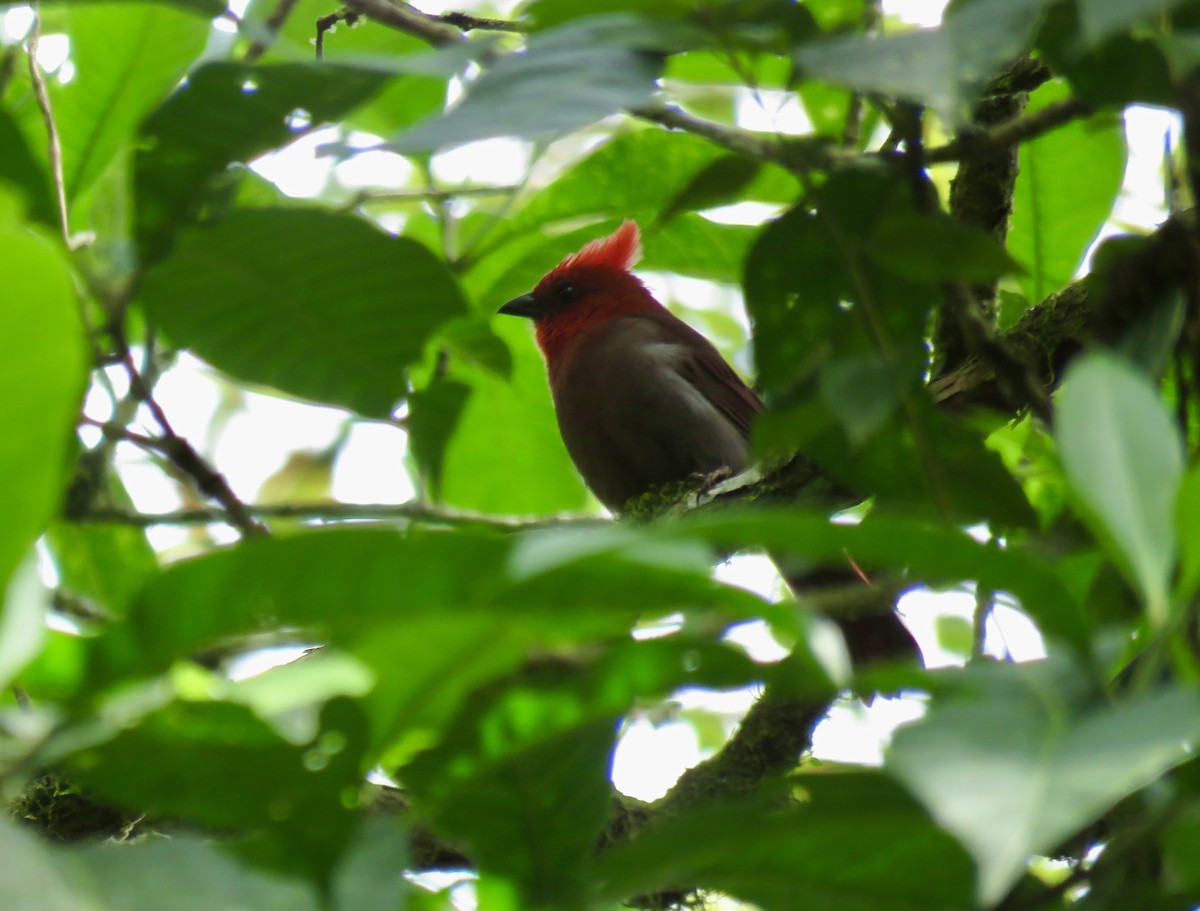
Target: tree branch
<point>1009,133</point>
<point>329,512</point>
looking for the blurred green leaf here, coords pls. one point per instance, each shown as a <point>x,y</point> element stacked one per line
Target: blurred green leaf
<point>1187,525</point>
<point>853,841</point>
<point>37,876</point>
<point>105,563</point>
<point>578,73</point>
<point>128,57</point>
<point>208,8</point>
<point>360,303</point>
<point>1066,186</point>
<point>197,875</point>
<point>862,392</point>
<point>1124,458</point>
<point>44,377</point>
<point>226,113</point>
<point>1102,18</point>
<point>943,67</point>
<point>1051,765</point>
<point>938,248</point>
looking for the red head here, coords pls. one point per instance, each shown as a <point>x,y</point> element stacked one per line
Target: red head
<point>585,289</point>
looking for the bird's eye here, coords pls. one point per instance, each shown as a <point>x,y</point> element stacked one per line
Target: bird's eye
<point>567,292</point>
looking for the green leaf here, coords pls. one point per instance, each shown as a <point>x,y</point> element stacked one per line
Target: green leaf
<point>44,377</point>
<point>128,57</point>
<point>229,112</point>
<point>578,73</point>
<point>630,176</point>
<point>1187,524</point>
<point>1051,766</point>
<point>433,415</point>
<point>1124,458</point>
<point>938,248</point>
<point>318,304</point>
<point>1068,181</point>
<point>1102,18</point>
<point>854,841</point>
<point>943,67</point>
<point>506,427</point>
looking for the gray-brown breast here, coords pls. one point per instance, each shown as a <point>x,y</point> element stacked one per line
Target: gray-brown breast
<point>646,400</point>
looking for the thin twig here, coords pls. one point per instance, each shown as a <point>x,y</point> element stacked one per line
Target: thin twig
<point>55,145</point>
<point>1010,133</point>
<point>430,29</point>
<point>798,154</point>
<point>432,194</point>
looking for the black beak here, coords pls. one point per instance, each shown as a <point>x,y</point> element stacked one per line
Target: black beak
<point>526,305</point>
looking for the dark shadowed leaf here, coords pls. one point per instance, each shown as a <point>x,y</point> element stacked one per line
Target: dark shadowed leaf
<point>531,814</point>
<point>318,304</point>
<point>1052,762</point>
<point>718,183</point>
<point>25,172</point>
<point>432,418</point>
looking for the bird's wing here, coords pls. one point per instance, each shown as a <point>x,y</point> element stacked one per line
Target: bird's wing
<point>702,366</point>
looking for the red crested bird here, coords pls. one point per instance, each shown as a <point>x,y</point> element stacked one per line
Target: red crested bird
<point>643,399</point>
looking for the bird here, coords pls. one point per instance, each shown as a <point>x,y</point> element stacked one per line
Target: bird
<point>644,400</point>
